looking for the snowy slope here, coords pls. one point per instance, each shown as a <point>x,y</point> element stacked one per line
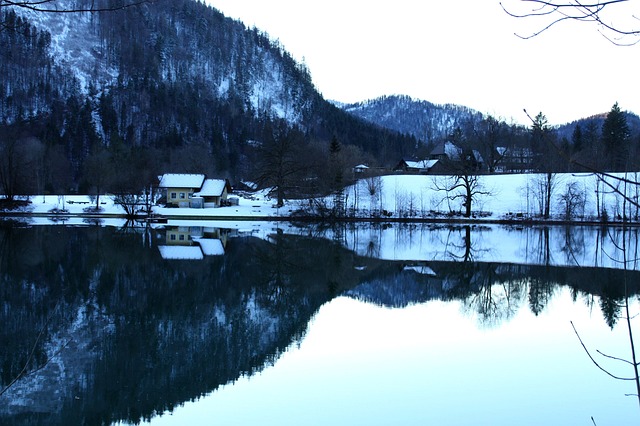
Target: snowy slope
<point>78,45</point>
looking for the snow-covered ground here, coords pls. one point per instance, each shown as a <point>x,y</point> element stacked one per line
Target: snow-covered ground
<point>498,196</point>
<point>403,196</point>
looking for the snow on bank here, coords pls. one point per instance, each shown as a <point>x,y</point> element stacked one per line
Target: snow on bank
<point>499,196</point>
<point>406,196</point>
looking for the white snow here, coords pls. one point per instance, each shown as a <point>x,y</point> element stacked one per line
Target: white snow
<point>210,246</point>
<point>181,252</point>
<point>515,196</point>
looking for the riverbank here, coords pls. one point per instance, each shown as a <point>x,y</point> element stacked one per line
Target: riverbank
<point>510,199</point>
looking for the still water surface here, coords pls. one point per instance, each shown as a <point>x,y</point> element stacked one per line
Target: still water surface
<point>276,326</point>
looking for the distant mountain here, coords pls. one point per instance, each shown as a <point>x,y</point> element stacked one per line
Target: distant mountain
<point>424,120</point>
<point>431,122</point>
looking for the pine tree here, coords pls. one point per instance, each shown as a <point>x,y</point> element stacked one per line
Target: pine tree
<point>615,138</point>
<point>335,161</point>
<point>577,139</point>
<point>541,134</point>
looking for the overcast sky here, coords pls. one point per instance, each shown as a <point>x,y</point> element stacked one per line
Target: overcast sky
<point>450,51</point>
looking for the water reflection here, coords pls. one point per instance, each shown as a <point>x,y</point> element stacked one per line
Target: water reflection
<point>110,328</point>
<point>191,242</point>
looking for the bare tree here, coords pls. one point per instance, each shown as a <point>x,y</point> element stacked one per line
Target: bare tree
<point>553,12</point>
<point>463,186</point>
<point>463,182</point>
<point>97,170</point>
<point>279,162</point>
<point>573,200</point>
<point>19,161</point>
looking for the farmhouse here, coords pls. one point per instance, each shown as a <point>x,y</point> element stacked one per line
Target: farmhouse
<point>455,157</point>
<point>180,187</point>
<point>194,190</point>
<point>416,166</point>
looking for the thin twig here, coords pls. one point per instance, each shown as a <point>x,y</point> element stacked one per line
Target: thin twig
<point>593,360</point>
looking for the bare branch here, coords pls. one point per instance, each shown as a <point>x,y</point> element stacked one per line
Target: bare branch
<point>594,361</point>
<point>615,358</point>
<point>41,6</point>
<point>574,10</point>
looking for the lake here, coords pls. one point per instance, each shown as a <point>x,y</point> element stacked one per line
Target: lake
<point>245,323</point>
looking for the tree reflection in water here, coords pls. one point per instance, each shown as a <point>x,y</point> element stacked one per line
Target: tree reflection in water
<point>108,330</point>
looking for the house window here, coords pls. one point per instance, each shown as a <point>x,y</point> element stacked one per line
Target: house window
<point>174,195</point>
<point>172,237</point>
<point>181,237</point>
<point>182,195</point>
<point>191,195</point>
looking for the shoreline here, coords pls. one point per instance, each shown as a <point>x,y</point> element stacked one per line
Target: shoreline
<point>161,219</point>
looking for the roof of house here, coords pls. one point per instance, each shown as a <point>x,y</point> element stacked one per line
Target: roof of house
<point>179,180</point>
<point>421,164</point>
<point>181,252</point>
<point>447,148</point>
<point>210,246</point>
<point>478,156</point>
<point>211,188</point>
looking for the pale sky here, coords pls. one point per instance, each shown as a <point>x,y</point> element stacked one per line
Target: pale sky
<point>450,51</point>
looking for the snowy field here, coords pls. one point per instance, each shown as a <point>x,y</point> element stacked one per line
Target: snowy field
<point>499,197</point>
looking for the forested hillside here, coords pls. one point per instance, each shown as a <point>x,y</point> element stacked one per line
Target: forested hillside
<point>170,85</point>
<point>605,142</point>
<point>426,121</point>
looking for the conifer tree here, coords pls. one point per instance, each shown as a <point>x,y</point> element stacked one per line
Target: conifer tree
<point>577,139</point>
<point>615,138</point>
<point>337,175</point>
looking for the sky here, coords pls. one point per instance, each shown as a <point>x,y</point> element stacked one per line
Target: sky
<point>462,52</point>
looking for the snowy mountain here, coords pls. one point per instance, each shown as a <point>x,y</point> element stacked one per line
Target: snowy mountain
<point>430,122</point>
<point>172,42</point>
<point>426,121</point>
<point>175,76</point>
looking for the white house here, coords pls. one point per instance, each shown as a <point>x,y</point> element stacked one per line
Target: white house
<point>180,187</point>
<point>194,190</point>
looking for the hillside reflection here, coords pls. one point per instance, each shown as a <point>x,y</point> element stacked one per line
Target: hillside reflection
<point>110,327</point>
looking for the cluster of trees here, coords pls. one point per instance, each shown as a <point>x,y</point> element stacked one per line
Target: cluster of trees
<point>605,143</point>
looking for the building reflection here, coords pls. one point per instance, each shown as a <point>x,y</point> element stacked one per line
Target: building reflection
<point>191,242</point>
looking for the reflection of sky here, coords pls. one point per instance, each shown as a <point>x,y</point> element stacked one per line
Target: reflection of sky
<point>433,364</point>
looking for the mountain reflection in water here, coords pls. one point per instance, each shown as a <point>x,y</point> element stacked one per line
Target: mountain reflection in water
<point>113,328</point>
